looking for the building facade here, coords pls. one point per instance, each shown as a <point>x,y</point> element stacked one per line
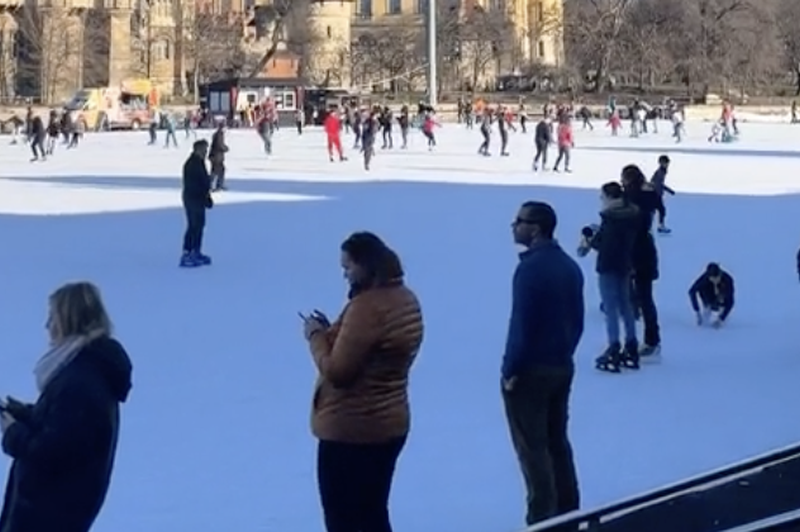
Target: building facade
<point>50,48</point>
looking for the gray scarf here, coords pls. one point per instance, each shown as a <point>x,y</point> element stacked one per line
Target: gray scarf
<point>59,356</point>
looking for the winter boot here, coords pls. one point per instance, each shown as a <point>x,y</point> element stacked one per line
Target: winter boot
<point>664,230</point>
<point>610,360</point>
<point>630,355</point>
<point>204,260</point>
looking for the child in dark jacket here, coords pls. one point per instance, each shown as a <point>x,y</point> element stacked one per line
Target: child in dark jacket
<point>659,184</point>
<point>715,290</point>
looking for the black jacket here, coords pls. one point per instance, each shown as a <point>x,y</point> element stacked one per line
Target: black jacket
<point>615,239</point>
<point>37,131</point>
<point>218,147</point>
<point>196,183</point>
<point>716,297</point>
<point>798,263</point>
<point>645,255</point>
<point>63,447</point>
<point>544,134</point>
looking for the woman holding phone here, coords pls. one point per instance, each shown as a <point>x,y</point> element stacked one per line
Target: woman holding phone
<point>361,413</point>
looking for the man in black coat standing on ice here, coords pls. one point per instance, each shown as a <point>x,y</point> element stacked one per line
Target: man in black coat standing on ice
<point>196,196</point>
<point>645,254</point>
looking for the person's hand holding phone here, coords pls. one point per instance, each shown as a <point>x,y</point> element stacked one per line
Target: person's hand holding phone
<point>312,324</point>
<point>6,419</point>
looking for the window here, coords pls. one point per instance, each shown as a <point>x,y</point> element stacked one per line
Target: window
<point>329,32</point>
<point>394,7</point>
<point>540,49</point>
<point>364,9</point>
<point>422,7</point>
<point>288,101</point>
<point>539,12</point>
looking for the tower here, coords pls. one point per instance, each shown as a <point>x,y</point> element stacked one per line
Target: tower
<point>542,34</point>
<point>326,61</point>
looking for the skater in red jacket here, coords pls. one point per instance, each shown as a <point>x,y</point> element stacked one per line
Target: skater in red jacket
<point>333,130</point>
<point>565,144</point>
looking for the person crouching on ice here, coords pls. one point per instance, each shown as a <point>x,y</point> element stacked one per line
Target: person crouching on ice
<point>333,130</point>
<point>716,292</point>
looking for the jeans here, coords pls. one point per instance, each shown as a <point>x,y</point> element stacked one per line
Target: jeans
<point>615,293</point>
<point>537,410</point>
<point>354,484</point>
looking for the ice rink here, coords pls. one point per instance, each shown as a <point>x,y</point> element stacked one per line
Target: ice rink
<point>216,436</point>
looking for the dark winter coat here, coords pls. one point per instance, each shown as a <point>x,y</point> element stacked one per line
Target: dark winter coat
<point>717,297</point>
<point>798,263</point>
<point>63,447</point>
<point>645,254</point>
<point>615,239</point>
<point>196,184</point>
<point>544,134</point>
<point>659,182</point>
<point>37,133</point>
<point>547,310</point>
<point>218,149</point>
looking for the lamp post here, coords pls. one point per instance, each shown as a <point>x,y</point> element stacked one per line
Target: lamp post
<point>432,74</point>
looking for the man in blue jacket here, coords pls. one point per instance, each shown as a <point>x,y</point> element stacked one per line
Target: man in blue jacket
<point>546,325</point>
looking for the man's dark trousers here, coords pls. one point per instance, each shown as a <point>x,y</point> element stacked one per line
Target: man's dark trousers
<point>195,224</point>
<point>218,173</point>
<point>537,409</point>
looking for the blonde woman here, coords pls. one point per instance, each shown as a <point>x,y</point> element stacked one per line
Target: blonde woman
<point>63,446</point>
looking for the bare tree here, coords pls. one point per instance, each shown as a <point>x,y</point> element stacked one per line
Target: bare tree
<point>484,36</point>
<point>594,29</point>
<point>649,27</point>
<point>212,46</point>
<point>787,14</point>
<point>49,53</point>
<point>393,53</point>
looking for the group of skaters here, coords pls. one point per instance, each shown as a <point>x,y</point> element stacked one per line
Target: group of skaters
<point>42,138</point>
<point>627,266</point>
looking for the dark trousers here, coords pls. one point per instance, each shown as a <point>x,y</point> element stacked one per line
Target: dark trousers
<point>541,153</point>
<point>37,147</point>
<point>643,295</point>
<point>218,173</point>
<point>354,484</point>
<point>563,155</point>
<point>195,224</point>
<point>662,211</point>
<point>537,409</point>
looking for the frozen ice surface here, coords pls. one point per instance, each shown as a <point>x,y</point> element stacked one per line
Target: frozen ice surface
<point>216,437</point>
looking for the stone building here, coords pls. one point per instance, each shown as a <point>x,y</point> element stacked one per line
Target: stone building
<point>51,48</point>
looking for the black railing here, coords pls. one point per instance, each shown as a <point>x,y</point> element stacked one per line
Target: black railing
<point>788,522</point>
<point>592,520</point>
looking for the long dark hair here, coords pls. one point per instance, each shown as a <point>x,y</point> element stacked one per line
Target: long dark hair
<point>379,264</point>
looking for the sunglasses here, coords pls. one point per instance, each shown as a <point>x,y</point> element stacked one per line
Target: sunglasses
<point>523,221</point>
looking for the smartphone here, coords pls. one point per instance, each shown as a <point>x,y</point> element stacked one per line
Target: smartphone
<point>320,317</point>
